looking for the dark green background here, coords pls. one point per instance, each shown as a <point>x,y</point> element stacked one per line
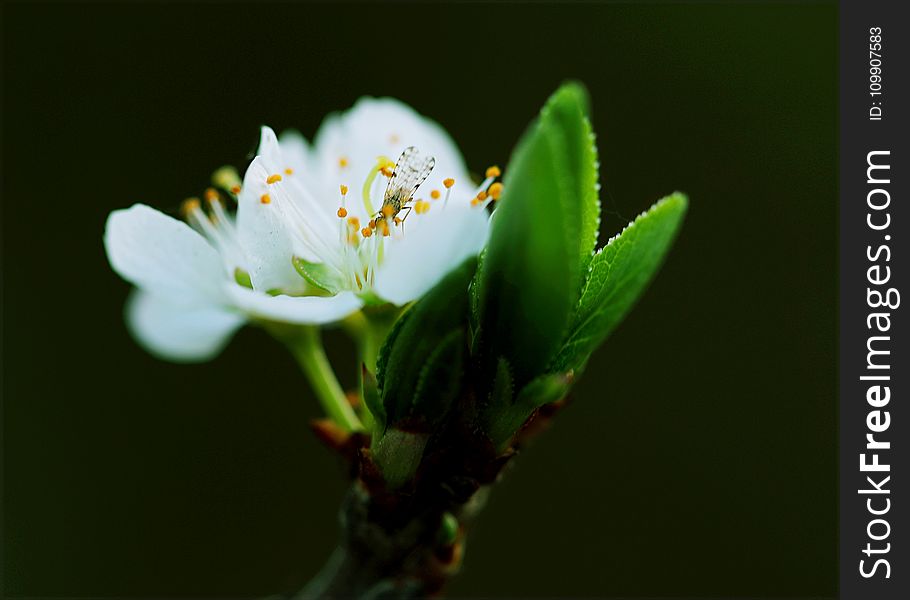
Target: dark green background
<point>698,456</point>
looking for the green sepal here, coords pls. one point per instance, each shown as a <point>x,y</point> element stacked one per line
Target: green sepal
<point>531,275</point>
<point>618,275</point>
<point>319,275</point>
<point>243,278</point>
<point>370,299</point>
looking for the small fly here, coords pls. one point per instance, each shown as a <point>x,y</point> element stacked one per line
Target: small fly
<point>411,170</point>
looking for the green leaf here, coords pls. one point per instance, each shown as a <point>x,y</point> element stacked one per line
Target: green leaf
<point>617,276</point>
<point>431,332</point>
<point>569,106</point>
<point>500,400</point>
<point>503,424</point>
<point>440,380</point>
<point>532,273</point>
<point>543,390</point>
<point>503,389</point>
<point>398,454</point>
<point>320,275</point>
<point>371,396</point>
<point>382,359</point>
<point>474,292</point>
<point>407,421</point>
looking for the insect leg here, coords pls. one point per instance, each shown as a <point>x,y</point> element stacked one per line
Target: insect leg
<point>406,208</point>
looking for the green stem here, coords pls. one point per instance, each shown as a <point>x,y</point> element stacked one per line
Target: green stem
<point>307,349</point>
<point>369,332</point>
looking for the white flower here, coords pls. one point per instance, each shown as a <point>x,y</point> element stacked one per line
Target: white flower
<point>199,282</point>
<point>297,215</point>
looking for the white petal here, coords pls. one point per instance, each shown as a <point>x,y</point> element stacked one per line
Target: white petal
<point>382,126</point>
<point>291,224</point>
<point>304,310</point>
<point>177,332</point>
<point>424,254</point>
<point>269,149</point>
<point>303,187</point>
<point>296,152</point>
<point>264,234</point>
<point>163,255</point>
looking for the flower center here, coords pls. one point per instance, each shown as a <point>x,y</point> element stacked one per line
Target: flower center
<point>363,247</point>
<point>390,193</point>
<point>362,244</point>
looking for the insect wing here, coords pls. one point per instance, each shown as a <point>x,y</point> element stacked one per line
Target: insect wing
<point>411,170</point>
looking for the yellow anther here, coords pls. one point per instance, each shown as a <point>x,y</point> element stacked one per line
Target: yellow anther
<point>387,171</point>
<point>384,228</point>
<point>372,224</point>
<point>481,195</point>
<point>496,190</point>
<point>493,171</point>
<point>354,223</point>
<point>226,178</point>
<point>344,189</point>
<point>435,194</point>
<point>353,239</point>
<point>366,232</point>
<point>211,195</point>
<point>421,206</point>
<point>235,189</point>
<point>343,162</point>
<point>342,212</point>
<point>448,182</point>
<point>388,210</point>
<point>189,205</point>
<point>289,171</point>
<point>265,199</point>
<point>397,221</point>
<point>476,201</point>
<point>273,178</point>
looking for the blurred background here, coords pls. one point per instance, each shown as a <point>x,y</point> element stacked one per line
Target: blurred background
<point>697,457</point>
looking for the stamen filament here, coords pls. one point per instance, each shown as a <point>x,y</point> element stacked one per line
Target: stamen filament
<point>448,183</point>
